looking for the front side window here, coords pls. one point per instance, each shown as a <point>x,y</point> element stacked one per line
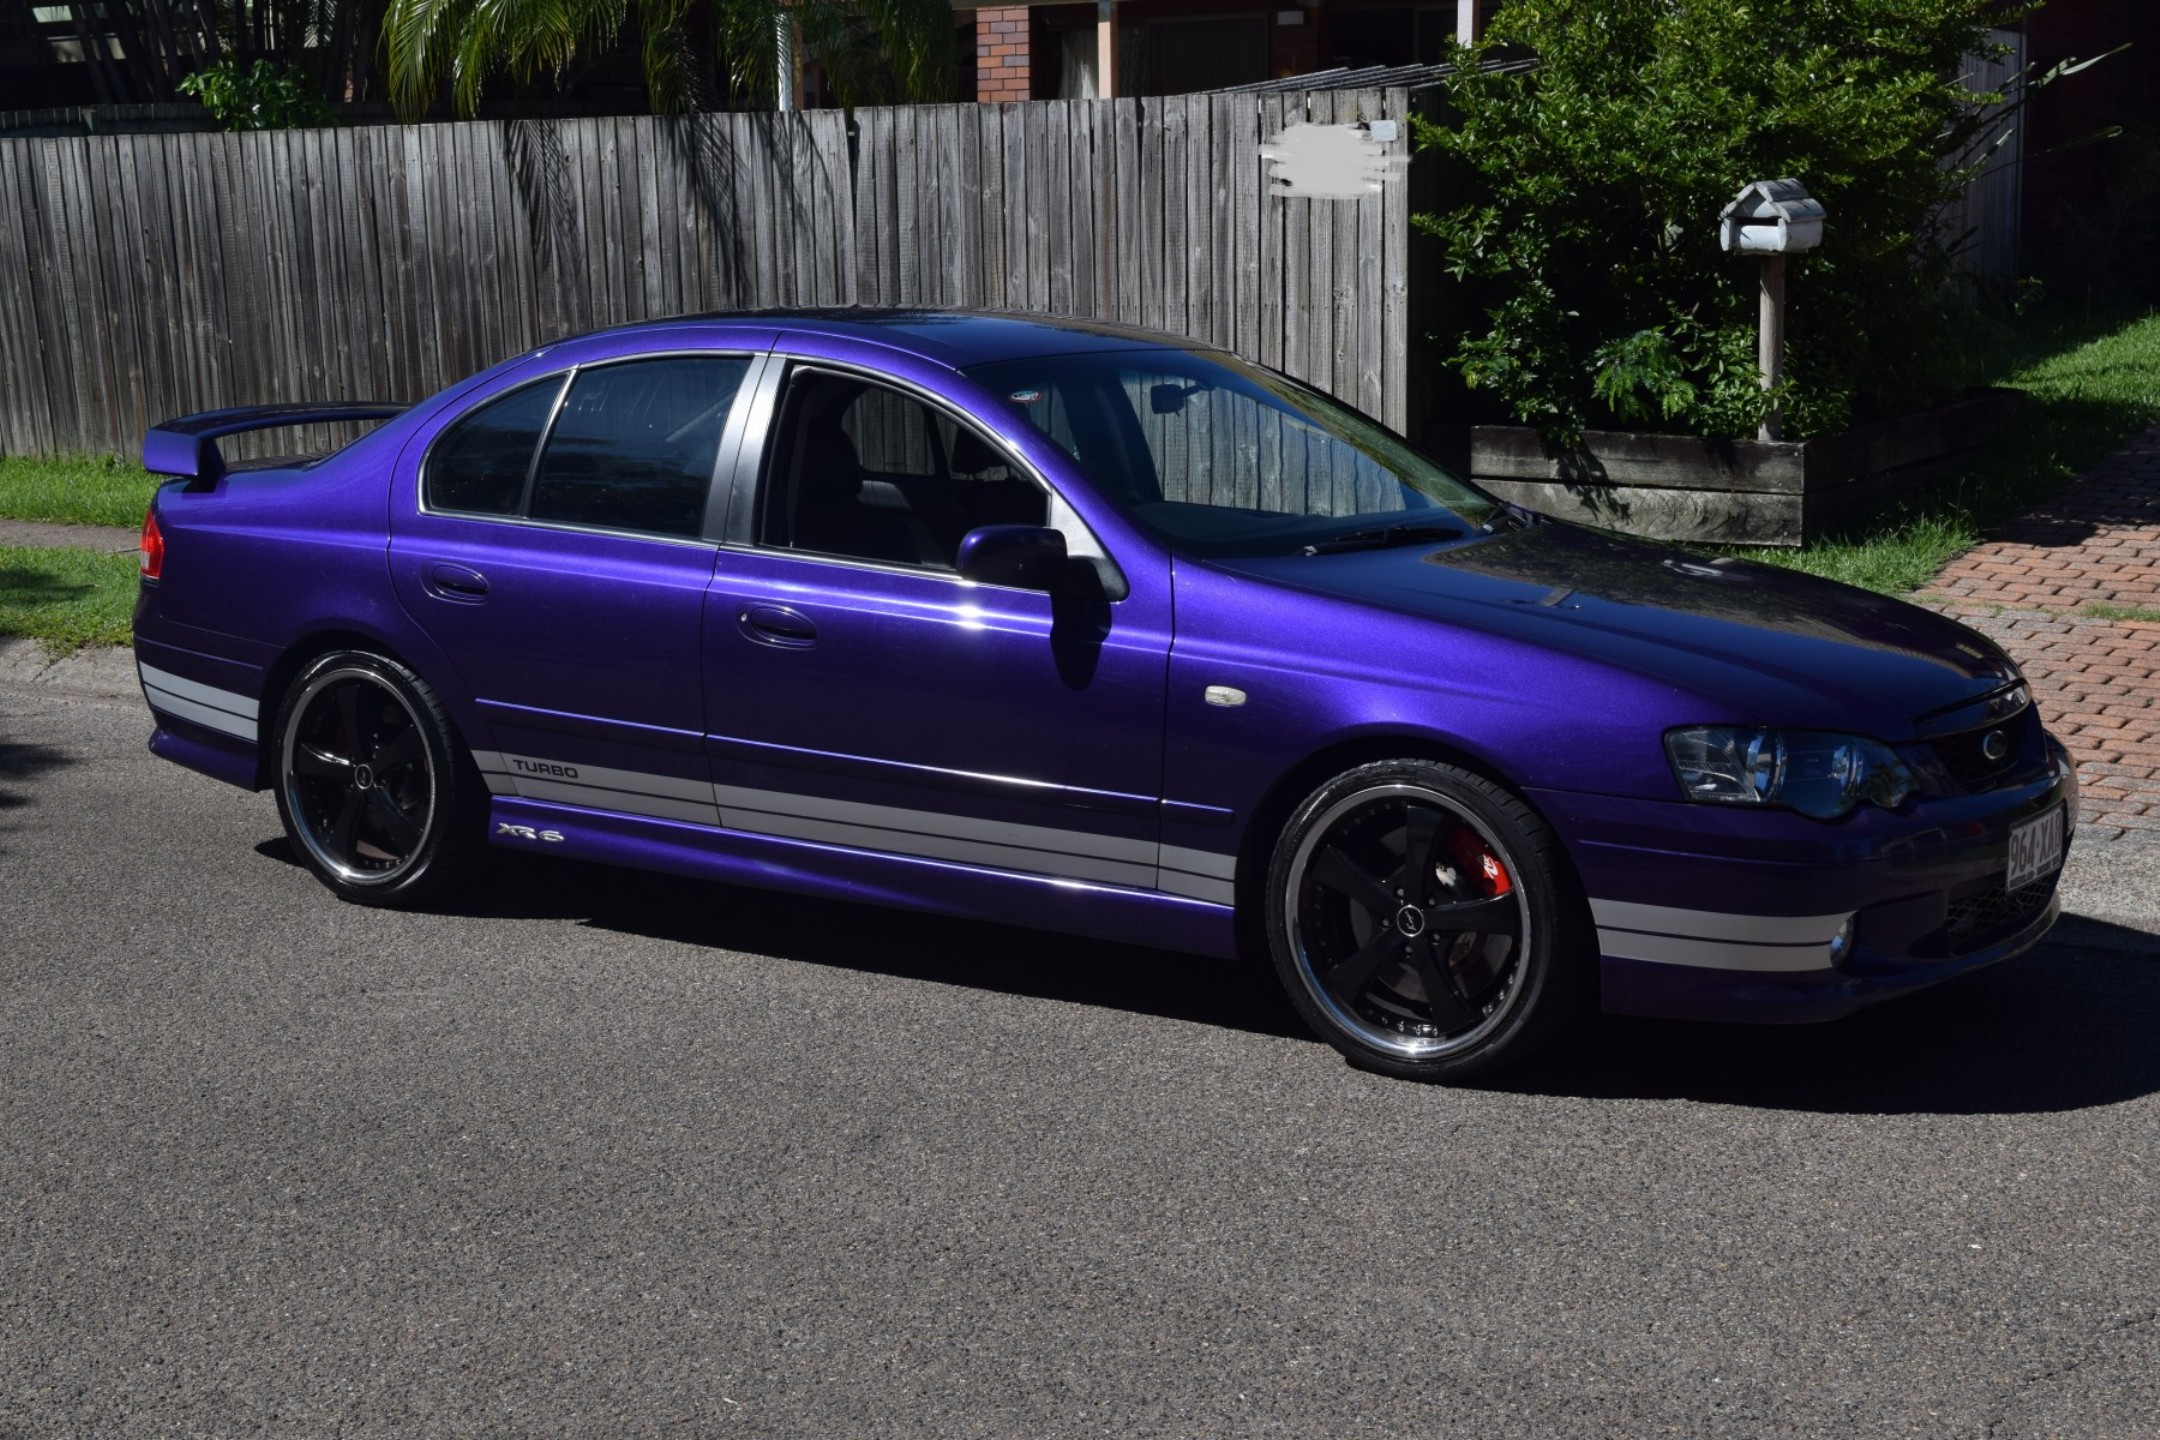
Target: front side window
<point>632,446</point>
<point>1217,457</point>
<point>867,472</point>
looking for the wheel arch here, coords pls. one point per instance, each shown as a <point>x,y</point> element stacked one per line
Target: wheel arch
<point>297,656</point>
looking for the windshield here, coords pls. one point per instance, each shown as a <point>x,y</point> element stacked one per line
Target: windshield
<point>1216,457</point>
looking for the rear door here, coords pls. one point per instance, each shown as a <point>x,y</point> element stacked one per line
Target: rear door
<point>558,556</point>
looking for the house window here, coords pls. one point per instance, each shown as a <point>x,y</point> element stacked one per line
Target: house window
<point>1367,35</point>
<point>1187,56</point>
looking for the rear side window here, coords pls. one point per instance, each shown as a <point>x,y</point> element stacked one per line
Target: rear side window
<point>479,465</point>
<point>635,444</point>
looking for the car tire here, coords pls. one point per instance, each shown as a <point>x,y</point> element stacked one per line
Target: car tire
<point>379,796</point>
<point>1400,880</point>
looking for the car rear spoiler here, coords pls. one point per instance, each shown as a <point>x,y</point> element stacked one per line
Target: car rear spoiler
<point>187,447</point>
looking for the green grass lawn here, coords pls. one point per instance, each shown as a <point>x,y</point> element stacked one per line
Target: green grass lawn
<point>77,490</point>
<point>2092,387</point>
<point>67,598</point>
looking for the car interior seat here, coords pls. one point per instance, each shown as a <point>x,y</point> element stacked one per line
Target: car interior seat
<point>829,513</point>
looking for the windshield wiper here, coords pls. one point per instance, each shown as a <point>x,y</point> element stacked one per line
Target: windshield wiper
<point>1382,539</point>
<point>1516,517</point>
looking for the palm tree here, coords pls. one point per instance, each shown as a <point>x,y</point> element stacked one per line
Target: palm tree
<point>693,52</point>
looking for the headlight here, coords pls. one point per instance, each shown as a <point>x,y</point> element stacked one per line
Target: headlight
<point>1815,772</point>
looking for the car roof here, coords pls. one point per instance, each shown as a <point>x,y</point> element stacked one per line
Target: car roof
<point>954,338</point>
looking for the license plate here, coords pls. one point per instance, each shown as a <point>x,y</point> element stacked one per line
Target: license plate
<point>2036,848</point>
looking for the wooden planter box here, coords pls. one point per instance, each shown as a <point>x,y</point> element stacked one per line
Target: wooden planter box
<point>1743,492</point>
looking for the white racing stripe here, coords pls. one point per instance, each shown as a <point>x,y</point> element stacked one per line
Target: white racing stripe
<point>1196,887</point>
<point>1001,856</point>
<point>1199,862</point>
<point>931,822</point>
<point>1036,849</point>
<point>1200,874</point>
<point>225,711</point>
<point>1715,939</point>
<point>601,787</point>
<point>496,771</point>
<point>628,802</point>
<point>931,834</point>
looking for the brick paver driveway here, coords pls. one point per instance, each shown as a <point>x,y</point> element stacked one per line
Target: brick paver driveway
<point>2057,589</point>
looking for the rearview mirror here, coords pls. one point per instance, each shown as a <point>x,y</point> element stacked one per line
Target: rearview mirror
<point>1026,557</point>
<point>1168,398</point>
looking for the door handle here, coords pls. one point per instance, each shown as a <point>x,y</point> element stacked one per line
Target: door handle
<point>454,582</point>
<point>777,625</point>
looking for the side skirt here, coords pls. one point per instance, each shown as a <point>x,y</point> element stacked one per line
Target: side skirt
<point>838,872</point>
<point>219,756</point>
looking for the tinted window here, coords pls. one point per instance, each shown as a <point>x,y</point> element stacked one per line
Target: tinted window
<point>1218,457</point>
<point>479,465</point>
<point>635,444</point>
<point>875,474</point>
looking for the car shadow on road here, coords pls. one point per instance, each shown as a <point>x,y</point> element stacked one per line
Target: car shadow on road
<point>879,941</point>
<point>19,765</point>
<point>2067,1027</point>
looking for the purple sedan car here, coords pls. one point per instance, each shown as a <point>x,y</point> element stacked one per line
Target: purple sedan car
<point>1092,630</point>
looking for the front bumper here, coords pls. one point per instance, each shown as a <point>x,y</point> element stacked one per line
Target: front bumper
<point>1706,913</point>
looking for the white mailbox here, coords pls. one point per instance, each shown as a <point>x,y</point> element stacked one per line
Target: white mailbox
<point>1772,217</point>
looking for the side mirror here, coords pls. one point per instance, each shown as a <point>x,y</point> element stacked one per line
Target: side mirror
<point>1026,557</point>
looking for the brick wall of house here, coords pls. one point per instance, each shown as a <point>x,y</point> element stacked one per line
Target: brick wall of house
<point>1001,55</point>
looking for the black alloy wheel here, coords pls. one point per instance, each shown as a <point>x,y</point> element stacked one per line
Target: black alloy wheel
<point>377,794</point>
<point>1424,921</point>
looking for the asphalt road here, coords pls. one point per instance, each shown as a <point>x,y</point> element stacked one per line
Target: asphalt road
<point>607,1154</point>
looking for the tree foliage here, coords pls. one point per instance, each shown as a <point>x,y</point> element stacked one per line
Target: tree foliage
<point>693,54</point>
<point>1585,226</point>
<point>692,51</point>
<point>261,96</point>
<point>145,51</point>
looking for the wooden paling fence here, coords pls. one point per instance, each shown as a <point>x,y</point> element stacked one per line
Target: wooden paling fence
<point>144,276</point>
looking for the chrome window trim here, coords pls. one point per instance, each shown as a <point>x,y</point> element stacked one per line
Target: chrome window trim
<point>742,528</point>
<point>731,435</point>
<point>547,433</point>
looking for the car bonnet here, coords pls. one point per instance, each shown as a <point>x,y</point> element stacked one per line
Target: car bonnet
<point>1767,645</point>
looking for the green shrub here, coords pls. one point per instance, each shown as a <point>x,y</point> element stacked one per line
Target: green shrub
<point>262,96</point>
<point>1585,191</point>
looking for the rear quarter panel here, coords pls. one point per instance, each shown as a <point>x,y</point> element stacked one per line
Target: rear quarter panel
<point>262,561</point>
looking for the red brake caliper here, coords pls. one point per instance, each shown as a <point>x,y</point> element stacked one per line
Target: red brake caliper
<point>1473,857</point>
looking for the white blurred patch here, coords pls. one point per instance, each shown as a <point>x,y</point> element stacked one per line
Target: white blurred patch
<point>1330,162</point>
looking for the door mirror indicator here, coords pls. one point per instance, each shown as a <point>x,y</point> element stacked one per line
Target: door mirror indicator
<point>1026,557</point>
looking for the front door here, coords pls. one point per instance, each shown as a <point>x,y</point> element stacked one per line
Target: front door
<point>862,694</point>
<point>558,559</point>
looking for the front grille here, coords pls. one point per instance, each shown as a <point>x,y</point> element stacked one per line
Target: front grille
<point>1965,757</point>
<point>1993,914</point>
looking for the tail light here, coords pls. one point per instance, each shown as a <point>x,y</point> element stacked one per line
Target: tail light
<point>153,546</point>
